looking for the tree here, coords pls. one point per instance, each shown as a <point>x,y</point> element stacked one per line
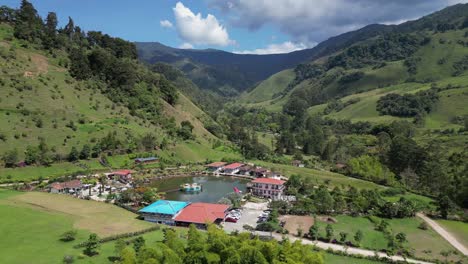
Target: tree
<point>329,232</point>
<point>10,158</point>
<point>73,155</point>
<point>50,38</point>
<point>69,29</point>
<point>358,237</point>
<point>445,206</point>
<point>31,155</point>
<point>85,152</point>
<point>28,24</point>
<point>343,236</point>
<point>79,67</point>
<point>138,243</point>
<point>92,245</point>
<point>314,231</point>
<point>185,130</point>
<point>128,256</point>
<point>120,244</point>
<point>400,238</point>
<point>323,200</point>
<point>68,236</point>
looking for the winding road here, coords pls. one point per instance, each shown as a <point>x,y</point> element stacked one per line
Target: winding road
<point>444,233</point>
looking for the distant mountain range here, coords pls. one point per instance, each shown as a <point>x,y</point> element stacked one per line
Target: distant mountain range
<point>229,74</point>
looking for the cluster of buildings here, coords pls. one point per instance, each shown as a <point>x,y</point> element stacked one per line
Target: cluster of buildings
<point>118,180</point>
<point>178,213</point>
<point>240,169</point>
<point>265,183</point>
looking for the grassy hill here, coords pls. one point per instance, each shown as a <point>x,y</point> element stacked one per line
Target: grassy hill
<point>434,67</point>
<point>39,99</point>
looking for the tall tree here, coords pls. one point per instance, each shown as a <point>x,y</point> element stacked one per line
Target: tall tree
<point>29,24</point>
<point>50,38</point>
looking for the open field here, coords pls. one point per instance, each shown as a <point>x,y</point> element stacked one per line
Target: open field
<point>96,217</point>
<point>458,229</point>
<point>336,259</point>
<point>426,243</point>
<point>31,225</point>
<point>372,239</point>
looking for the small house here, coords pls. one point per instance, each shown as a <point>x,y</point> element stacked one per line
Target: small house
<point>146,160</point>
<point>245,170</point>
<point>260,172</point>
<point>215,166</point>
<point>121,175</point>
<point>162,211</point>
<point>69,187</point>
<point>232,168</point>
<point>297,163</point>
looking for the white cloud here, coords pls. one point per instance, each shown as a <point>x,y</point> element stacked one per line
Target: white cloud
<point>186,46</point>
<point>284,47</point>
<point>165,24</point>
<point>315,20</point>
<point>195,29</point>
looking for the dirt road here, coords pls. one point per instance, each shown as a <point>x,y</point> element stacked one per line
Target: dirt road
<point>446,235</point>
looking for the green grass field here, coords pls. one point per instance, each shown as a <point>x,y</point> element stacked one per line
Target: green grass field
<point>31,225</point>
<point>457,229</point>
<point>426,243</point>
<point>372,239</point>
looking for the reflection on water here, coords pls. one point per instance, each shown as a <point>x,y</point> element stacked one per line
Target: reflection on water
<point>214,188</point>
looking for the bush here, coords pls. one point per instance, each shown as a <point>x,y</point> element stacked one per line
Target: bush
<point>423,226</point>
<point>68,236</point>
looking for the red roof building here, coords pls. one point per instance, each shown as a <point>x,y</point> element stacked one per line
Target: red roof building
<point>233,166</point>
<point>121,175</point>
<point>122,172</point>
<point>201,213</point>
<point>268,187</point>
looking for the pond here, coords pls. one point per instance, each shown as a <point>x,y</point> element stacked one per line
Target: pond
<point>214,188</point>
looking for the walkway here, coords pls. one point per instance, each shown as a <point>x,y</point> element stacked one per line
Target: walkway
<point>348,250</point>
<point>446,235</point>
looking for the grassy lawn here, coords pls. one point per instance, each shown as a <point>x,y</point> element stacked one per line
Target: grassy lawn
<point>337,259</point>
<point>426,243</point>
<point>457,229</point>
<point>372,239</point>
<point>321,177</point>
<point>33,222</point>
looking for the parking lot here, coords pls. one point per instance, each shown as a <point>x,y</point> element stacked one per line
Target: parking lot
<point>249,217</point>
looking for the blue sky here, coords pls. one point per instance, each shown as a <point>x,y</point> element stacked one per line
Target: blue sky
<point>242,26</point>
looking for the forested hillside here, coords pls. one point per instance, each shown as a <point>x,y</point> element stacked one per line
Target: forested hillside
<point>389,106</point>
<point>69,95</point>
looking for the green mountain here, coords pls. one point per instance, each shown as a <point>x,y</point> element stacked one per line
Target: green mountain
<point>406,58</point>
<point>66,95</point>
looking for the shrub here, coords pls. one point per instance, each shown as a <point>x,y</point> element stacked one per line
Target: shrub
<point>423,226</point>
<point>68,236</point>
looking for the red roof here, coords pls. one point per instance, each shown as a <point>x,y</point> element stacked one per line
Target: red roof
<point>62,185</point>
<point>200,213</point>
<point>269,181</point>
<point>122,172</point>
<point>233,166</point>
<point>216,164</point>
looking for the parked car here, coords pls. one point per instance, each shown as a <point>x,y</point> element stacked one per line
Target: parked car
<point>231,219</point>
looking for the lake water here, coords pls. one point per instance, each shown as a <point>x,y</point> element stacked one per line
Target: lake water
<point>214,188</point>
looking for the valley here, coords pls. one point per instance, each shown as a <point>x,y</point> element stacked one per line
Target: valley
<point>324,154</point>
